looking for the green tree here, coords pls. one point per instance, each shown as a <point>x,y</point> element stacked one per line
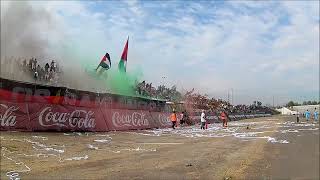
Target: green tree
<point>290,103</point>
<point>259,103</point>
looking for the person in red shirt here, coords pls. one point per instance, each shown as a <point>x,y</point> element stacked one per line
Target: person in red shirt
<point>224,118</point>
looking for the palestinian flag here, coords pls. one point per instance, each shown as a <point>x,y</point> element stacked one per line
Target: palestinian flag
<point>104,63</point>
<point>123,61</point>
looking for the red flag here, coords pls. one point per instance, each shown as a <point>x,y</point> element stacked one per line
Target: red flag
<point>123,61</point>
<point>125,51</point>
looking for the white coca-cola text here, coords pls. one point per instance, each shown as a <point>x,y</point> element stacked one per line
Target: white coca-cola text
<point>134,119</point>
<point>7,118</point>
<point>75,119</point>
<point>164,119</point>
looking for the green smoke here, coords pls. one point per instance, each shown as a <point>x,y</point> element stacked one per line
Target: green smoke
<point>123,83</point>
<point>115,81</point>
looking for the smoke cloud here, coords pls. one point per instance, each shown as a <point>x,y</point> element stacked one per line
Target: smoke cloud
<point>29,30</point>
<point>25,30</point>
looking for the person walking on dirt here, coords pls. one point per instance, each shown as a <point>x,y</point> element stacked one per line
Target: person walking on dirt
<point>307,114</point>
<point>316,115</point>
<point>173,118</point>
<point>297,115</point>
<point>203,120</point>
<point>182,120</point>
<point>224,118</point>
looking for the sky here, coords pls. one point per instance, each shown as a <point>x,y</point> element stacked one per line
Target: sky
<point>266,50</point>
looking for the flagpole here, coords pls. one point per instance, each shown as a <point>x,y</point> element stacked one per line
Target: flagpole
<point>125,69</point>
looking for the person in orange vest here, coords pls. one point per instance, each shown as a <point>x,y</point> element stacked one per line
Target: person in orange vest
<point>224,118</point>
<point>173,118</point>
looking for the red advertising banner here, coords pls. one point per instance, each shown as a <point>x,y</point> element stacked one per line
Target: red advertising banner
<point>50,117</point>
<point>14,116</point>
<point>118,119</point>
<point>161,120</point>
<point>55,117</point>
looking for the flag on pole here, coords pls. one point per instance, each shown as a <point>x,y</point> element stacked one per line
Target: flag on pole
<point>104,63</point>
<point>123,61</point>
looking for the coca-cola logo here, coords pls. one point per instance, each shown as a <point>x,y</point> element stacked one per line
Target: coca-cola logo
<point>134,119</point>
<point>74,119</point>
<point>7,118</point>
<point>164,119</point>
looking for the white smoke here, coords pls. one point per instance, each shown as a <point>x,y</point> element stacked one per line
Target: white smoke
<point>31,30</point>
<point>25,30</point>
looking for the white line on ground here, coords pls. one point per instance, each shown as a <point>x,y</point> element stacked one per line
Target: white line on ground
<point>162,143</point>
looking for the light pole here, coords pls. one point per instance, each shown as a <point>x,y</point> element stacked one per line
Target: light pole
<point>163,79</point>
<point>228,97</point>
<point>273,101</point>
<point>232,96</point>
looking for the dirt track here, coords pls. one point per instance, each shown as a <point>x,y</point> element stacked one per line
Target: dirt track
<point>271,148</point>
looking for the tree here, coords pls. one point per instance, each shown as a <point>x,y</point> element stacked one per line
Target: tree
<point>254,103</point>
<point>259,103</point>
<point>290,104</point>
<point>310,103</point>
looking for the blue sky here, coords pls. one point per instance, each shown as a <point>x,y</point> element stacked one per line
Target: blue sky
<point>260,49</point>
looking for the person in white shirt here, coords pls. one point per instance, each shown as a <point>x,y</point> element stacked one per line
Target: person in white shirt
<point>203,120</point>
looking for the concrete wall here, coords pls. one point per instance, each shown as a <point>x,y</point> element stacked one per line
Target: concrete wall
<point>302,109</point>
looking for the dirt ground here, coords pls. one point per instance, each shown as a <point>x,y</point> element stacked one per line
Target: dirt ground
<point>263,148</point>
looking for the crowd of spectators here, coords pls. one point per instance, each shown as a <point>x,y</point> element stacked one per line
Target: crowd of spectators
<point>249,109</point>
<point>198,101</point>
<point>161,92</point>
<point>32,69</point>
<point>145,89</point>
<point>45,73</point>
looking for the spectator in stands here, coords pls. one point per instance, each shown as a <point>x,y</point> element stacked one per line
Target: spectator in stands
<point>46,67</point>
<point>46,76</point>
<point>143,84</point>
<point>30,64</point>
<point>38,68</point>
<point>35,64</point>
<point>35,75</point>
<point>139,89</point>
<point>51,74</point>
<point>25,63</point>
<point>52,66</point>
<point>41,73</point>
<point>146,89</point>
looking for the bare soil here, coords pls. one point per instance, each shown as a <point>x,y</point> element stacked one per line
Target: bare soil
<point>263,148</point>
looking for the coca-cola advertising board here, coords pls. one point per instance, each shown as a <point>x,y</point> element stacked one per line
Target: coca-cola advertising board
<point>162,120</point>
<point>48,117</point>
<point>118,119</point>
<point>14,116</point>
